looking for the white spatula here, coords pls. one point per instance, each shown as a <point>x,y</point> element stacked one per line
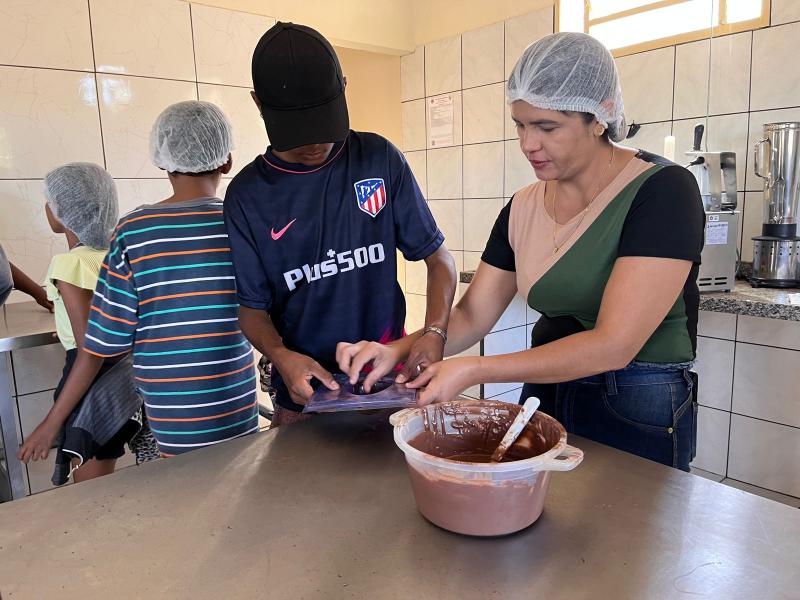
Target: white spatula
<point>519,423</point>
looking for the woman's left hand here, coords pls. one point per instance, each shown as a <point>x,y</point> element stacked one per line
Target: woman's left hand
<point>445,380</point>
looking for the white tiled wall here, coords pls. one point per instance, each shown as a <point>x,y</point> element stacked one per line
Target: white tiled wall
<point>80,82</point>
<point>467,183</point>
<point>749,418</point>
<point>741,81</point>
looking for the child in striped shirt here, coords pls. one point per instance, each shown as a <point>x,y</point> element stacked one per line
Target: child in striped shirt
<point>167,294</point>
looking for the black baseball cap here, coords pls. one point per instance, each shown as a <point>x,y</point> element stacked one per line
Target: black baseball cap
<point>298,80</point>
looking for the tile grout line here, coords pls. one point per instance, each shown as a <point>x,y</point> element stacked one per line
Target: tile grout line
<point>96,86</point>
<point>194,54</point>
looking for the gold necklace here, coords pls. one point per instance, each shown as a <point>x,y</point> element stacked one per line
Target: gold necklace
<point>557,247</point>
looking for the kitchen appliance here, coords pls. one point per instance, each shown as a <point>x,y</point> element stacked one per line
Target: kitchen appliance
<point>716,177</point>
<point>776,252</point>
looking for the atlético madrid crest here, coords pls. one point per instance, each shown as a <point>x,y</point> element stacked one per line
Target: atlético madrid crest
<point>370,195</point>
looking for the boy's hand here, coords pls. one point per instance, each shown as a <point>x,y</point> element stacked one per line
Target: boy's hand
<point>297,371</point>
<point>427,350</point>
<point>38,444</point>
<point>352,358</point>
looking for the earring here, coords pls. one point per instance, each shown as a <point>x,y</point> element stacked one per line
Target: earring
<point>599,131</point>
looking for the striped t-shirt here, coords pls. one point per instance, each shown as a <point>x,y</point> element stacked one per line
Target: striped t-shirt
<point>167,291</point>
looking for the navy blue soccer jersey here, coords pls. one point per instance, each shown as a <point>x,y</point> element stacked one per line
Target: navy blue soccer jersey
<point>315,246</point>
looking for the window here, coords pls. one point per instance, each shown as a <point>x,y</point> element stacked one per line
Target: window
<point>627,26</point>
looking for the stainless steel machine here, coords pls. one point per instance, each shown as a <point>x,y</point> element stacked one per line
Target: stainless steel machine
<point>716,176</point>
<point>776,252</point>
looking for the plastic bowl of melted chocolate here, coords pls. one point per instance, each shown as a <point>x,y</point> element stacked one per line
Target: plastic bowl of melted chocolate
<point>447,448</point>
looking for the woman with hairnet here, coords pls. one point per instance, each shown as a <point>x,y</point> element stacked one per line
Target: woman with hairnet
<point>606,246</point>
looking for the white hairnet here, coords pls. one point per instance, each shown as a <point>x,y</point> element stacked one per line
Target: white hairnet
<point>83,197</point>
<point>191,137</point>
<point>570,71</point>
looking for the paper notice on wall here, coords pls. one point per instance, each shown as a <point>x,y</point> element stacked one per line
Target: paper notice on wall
<point>716,233</point>
<point>440,121</point>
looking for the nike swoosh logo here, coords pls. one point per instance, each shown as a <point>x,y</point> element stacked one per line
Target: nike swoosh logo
<point>276,235</point>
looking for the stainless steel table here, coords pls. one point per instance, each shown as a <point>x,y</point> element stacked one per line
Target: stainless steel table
<point>22,325</point>
<point>323,510</point>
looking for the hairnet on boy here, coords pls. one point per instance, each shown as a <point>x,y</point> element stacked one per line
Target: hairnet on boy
<point>191,137</point>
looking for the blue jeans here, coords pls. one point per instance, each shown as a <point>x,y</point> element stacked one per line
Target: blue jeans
<point>646,409</point>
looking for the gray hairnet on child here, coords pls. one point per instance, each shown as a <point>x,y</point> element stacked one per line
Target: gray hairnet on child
<point>191,137</point>
<point>83,197</point>
<point>570,71</point>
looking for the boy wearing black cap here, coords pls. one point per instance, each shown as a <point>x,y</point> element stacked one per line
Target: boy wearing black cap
<point>314,223</point>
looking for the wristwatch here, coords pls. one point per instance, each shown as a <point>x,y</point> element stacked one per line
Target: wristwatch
<point>436,330</point>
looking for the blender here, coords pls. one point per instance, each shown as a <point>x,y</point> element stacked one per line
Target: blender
<point>776,252</point>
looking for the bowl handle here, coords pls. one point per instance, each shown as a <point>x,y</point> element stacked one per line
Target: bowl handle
<point>395,419</point>
<point>570,458</point>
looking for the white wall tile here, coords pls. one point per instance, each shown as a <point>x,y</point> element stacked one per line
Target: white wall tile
<point>765,383</point>
<point>413,117</point>
<point>730,76</point>
<point>765,454</point>
<point>44,33</point>
<point>158,45</point>
<point>412,75</point>
<point>691,79</point>
<point>716,325</point>
<point>133,193</point>
<point>785,11</point>
<point>513,316</point>
<point>532,315</point>
<point>752,219</point>
<point>48,118</point>
<point>457,121</point>
<point>129,106</point>
<point>416,277</point>
<point>522,31</point>
<point>415,312</point>
<point>33,408</point>
<point>647,85</point>
<point>223,43</point>
<point>418,163</point>
<point>483,114</point>
<point>651,138</point>
<point>40,474</point>
<point>444,173</point>
<point>511,397</point>
<point>471,259</point>
<point>38,369</point>
<point>757,120</point>
<point>518,171</point>
<point>776,72</point>
<point>443,66</point>
<point>714,367</point>
<point>449,216</point>
<point>712,440</point>
<point>249,134</point>
<point>503,342</point>
<point>510,128</point>
<point>479,218</point>
<point>483,170</point>
<point>482,52</point>
<point>730,73</point>
<point>769,332</point>
<point>25,235</point>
